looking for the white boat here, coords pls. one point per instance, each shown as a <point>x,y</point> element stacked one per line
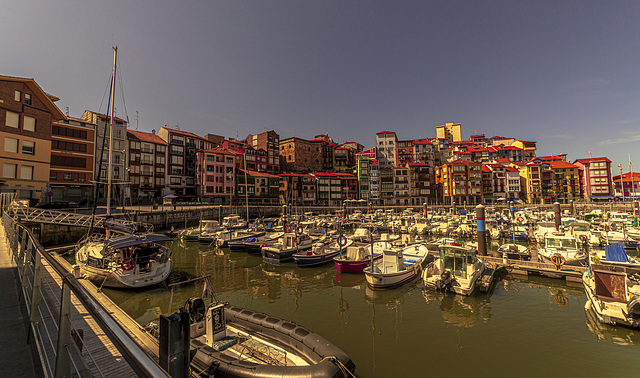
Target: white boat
<point>206,227</point>
<point>288,245</point>
<point>128,261</point>
<point>515,251</point>
<point>457,269</point>
<point>398,266</point>
<point>613,294</point>
<point>559,246</point>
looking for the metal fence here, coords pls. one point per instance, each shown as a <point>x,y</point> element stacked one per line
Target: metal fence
<point>76,336</point>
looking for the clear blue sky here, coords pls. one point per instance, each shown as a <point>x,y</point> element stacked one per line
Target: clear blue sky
<point>563,73</point>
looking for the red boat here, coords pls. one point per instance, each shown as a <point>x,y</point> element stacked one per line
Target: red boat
<point>358,257</point>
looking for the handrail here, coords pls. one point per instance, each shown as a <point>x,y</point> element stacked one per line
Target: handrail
<point>141,363</point>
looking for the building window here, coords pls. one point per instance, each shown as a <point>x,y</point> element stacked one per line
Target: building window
<point>17,95</point>
<point>10,145</point>
<point>8,170</point>
<point>29,124</point>
<point>28,147</point>
<point>27,99</point>
<point>12,120</point>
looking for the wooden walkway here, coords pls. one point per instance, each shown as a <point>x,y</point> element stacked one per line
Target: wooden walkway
<point>100,356</point>
<point>520,267</point>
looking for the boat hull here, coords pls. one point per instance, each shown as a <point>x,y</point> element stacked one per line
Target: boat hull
<point>390,280</point>
<point>354,266</point>
<point>303,260</point>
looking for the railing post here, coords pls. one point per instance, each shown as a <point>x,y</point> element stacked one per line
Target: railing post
<point>36,294</point>
<point>25,266</point>
<point>23,245</point>
<point>63,357</point>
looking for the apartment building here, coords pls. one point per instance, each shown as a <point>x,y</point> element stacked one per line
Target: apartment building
<point>387,149</point>
<point>216,175</point>
<point>268,141</point>
<point>26,117</point>
<point>297,189</point>
<point>595,178</point>
<point>72,161</point>
<point>146,166</point>
<point>461,182</point>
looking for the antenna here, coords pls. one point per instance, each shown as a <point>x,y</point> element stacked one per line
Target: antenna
<point>137,118</point>
<point>177,127</point>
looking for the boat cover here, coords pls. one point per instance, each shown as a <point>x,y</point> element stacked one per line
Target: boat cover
<point>112,224</point>
<point>615,253</point>
<point>133,240</point>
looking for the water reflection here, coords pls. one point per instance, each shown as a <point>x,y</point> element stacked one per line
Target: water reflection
<point>605,332</point>
<point>459,310</point>
<point>355,281</point>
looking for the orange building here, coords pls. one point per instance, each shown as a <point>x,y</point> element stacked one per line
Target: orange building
<point>460,182</point>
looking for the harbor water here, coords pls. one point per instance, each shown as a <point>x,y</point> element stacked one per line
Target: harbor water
<point>527,327</point>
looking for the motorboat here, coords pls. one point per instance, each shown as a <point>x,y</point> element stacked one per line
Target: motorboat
<point>223,239</point>
<point>560,248</point>
<point>613,294</point>
<point>206,226</point>
<point>321,253</point>
<point>253,245</point>
<point>287,245</point>
<point>232,341</point>
<point>515,251</point>
<point>397,267</point>
<point>456,269</point>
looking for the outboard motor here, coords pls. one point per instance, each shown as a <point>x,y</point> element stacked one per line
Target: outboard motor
<point>583,240</point>
<point>444,283</point>
<point>196,308</point>
<point>633,308</point>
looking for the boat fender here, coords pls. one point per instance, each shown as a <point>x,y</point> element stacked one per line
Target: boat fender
<point>287,228</point>
<point>298,240</point>
<point>127,265</point>
<point>299,230</point>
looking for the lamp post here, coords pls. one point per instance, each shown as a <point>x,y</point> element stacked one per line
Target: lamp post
<point>621,182</point>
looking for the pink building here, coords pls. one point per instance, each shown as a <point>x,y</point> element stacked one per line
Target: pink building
<point>216,172</point>
<point>595,178</point>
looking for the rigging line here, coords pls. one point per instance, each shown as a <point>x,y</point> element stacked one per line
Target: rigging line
<point>124,104</point>
<point>107,88</point>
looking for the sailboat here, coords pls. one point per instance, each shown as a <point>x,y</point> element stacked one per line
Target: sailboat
<point>128,260</point>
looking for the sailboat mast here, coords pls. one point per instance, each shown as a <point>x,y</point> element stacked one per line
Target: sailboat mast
<point>113,96</point>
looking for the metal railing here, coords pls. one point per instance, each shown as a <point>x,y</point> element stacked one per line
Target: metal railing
<point>72,330</point>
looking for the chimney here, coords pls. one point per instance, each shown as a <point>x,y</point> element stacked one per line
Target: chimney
<point>153,131</point>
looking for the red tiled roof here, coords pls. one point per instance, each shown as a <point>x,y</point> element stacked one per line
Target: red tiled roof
<point>257,174</point>
<point>511,169</point>
<point>592,160</point>
<point>418,165</point>
<point>461,161</point>
<point>290,174</point>
<point>184,133</point>
<point>385,132</point>
<point>560,164</point>
<point>510,148</point>
<point>147,137</point>
<point>485,169</point>
<point>220,150</point>
<point>422,141</point>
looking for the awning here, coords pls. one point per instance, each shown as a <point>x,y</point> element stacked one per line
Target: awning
<point>133,240</point>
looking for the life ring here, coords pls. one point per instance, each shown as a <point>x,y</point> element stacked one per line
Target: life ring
<point>341,240</point>
<point>558,260</point>
<point>561,300</point>
<point>127,265</point>
<point>520,219</point>
<point>298,240</point>
<point>343,305</point>
<point>287,228</point>
<point>299,230</point>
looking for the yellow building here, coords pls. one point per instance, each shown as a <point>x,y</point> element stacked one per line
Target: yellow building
<point>449,131</point>
<point>26,116</point>
<point>529,148</point>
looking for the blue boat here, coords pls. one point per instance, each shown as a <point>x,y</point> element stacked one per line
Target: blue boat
<point>321,254</point>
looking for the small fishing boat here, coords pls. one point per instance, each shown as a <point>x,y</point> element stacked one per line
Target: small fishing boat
<point>613,294</point>
<point>397,267</point>
<point>561,248</point>
<point>321,253</point>
<point>286,246</point>
<point>358,257</point>
<point>457,269</point>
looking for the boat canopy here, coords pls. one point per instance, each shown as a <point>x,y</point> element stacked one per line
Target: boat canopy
<point>133,240</point>
<point>615,253</point>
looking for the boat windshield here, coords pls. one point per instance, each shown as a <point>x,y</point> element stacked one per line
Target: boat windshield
<point>579,227</point>
<point>456,261</point>
<point>561,243</point>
